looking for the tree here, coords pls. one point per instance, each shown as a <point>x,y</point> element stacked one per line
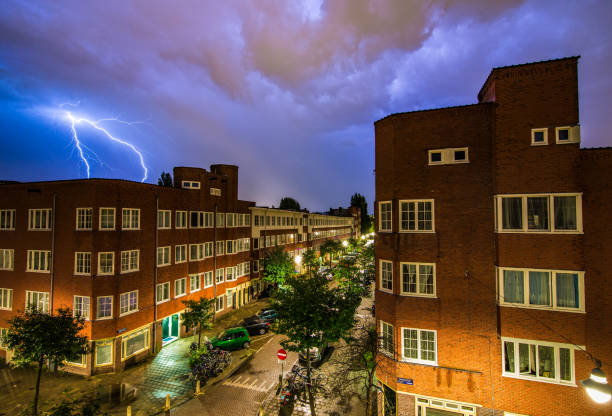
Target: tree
<point>198,313</point>
<point>347,275</point>
<point>289,203</point>
<point>277,266</point>
<point>354,244</point>
<point>36,337</point>
<point>165,179</point>
<point>312,314</point>
<point>330,247</point>
<point>358,200</point>
<point>310,260</point>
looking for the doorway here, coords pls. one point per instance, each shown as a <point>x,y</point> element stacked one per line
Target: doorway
<point>171,326</point>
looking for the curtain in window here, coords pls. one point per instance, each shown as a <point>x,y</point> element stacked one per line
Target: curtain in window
<point>509,357</point>
<point>565,213</point>
<point>426,279</point>
<point>539,288</point>
<point>567,290</point>
<point>537,213</point>
<point>513,286</point>
<point>409,278</point>
<point>512,213</point>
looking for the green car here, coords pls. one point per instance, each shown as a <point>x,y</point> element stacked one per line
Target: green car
<point>232,339</point>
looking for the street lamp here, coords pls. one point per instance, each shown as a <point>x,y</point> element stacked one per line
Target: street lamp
<point>345,243</point>
<point>597,386</point>
<point>298,259</point>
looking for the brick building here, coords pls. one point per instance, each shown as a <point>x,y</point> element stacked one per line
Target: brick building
<point>126,254</point>
<point>493,252</point>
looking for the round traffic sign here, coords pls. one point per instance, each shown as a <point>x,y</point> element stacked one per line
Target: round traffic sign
<point>281,354</point>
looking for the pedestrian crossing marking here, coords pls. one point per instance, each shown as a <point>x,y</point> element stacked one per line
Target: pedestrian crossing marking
<point>257,385</point>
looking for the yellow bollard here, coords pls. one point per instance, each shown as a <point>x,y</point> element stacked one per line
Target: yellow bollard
<point>197,388</point>
<point>261,410</point>
<point>129,411</point>
<point>167,406</point>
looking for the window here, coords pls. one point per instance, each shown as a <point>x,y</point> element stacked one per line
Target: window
<point>39,261</point>
<point>7,219</point>
<point>84,218</point>
<point>181,219</point>
<point>128,302</point>
<point>196,219</point>
<point>130,261</point>
<point>255,243</point>
<point>38,300</point>
<point>219,303</point>
<point>539,137</point>
<point>247,220</point>
<point>163,256</point>
<point>208,249</point>
<point>104,307</point>
<point>220,246</point>
<point>548,289</point>
<point>416,215</point>
<point>215,191</point>
<point>196,252</point>
<point>79,361</point>
<point>164,219</point>
<point>385,216</point>
<point>163,292</point>
<point>387,338</point>
<point>539,213</point>
<point>190,184</point>
<point>567,134</point>
<point>208,279</point>
<point>230,219</point>
<point>180,287</point>
<point>81,306</point>
<point>255,266</point>
<point>538,360</point>
<point>180,253</point>
<point>229,294</point>
<point>7,259</point>
<point>219,276</point>
<point>220,219</point>
<point>82,263</point>
<point>418,279</point>
<point>229,274</point>
<point>386,276</point>
<point>104,352</point>
<point>134,343</point>
<point>106,263</point>
<point>230,247</point>
<point>39,219</point>
<point>130,219</point>
<point>195,282</point>
<point>107,219</point>
<point>6,299</point>
<point>419,345</point>
<point>448,156</point>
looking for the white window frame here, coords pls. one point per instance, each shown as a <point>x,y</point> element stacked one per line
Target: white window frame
<point>100,216</point>
<point>84,306</point>
<point>380,285</point>
<point>98,309</point>
<point>573,134</point>
<point>125,338</point>
<point>556,345</point>
<point>31,294</point>
<point>220,247</point>
<point>208,276</point>
<point>127,215</point>
<point>447,156</point>
<point>182,285</point>
<point>418,292</point>
<point>539,130</point>
<point>524,214</point>
<point>164,219</point>
<point>41,225</point>
<point>230,274</point>
<point>103,343</point>
<point>195,282</point>
<point>128,295</point>
<point>208,249</point>
<point>181,219</point>
<point>180,253</point>
<point>100,272</point>
<point>130,254</point>
<point>7,259</point>
<point>6,299</point>
<point>166,288</point>
<point>219,303</point>
<point>87,214</point>
<point>220,219</point>
<point>419,360</point>
<point>382,342</point>
<point>199,248</point>
<point>82,255</point>
<point>422,403</point>
<point>190,185</point>
<point>7,219</point>
<point>552,284</point>
<point>43,265</point>
<point>164,256</point>
<point>380,217</point>
<point>220,275</point>
<point>416,216</point>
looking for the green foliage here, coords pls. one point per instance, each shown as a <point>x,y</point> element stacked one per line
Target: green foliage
<point>347,276</point>
<point>331,248</point>
<point>310,260</point>
<point>194,356</point>
<point>165,179</point>
<point>198,313</point>
<point>277,266</point>
<point>289,203</point>
<point>358,200</point>
<point>354,244</point>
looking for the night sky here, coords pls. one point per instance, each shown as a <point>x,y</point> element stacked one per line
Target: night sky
<point>287,90</point>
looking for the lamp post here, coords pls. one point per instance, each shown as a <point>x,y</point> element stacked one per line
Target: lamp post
<point>596,385</point>
<point>298,262</point>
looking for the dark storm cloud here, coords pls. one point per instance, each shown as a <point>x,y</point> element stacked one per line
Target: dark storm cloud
<point>288,90</point>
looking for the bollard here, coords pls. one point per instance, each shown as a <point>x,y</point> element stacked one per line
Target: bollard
<point>167,406</point>
<point>197,388</point>
<point>129,411</point>
<point>261,410</point>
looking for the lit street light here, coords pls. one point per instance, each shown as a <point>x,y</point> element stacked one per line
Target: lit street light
<point>597,386</point>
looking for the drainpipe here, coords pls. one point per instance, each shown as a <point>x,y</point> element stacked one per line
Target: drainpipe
<point>52,256</point>
<point>215,264</point>
<point>155,275</point>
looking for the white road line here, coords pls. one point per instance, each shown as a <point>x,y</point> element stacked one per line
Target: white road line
<point>272,336</point>
<point>235,379</point>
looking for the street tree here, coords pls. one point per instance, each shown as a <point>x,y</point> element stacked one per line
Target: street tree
<point>35,337</point>
<point>358,200</point>
<point>310,260</point>
<point>289,203</point>
<point>330,247</point>
<point>198,313</point>
<point>165,179</point>
<point>346,273</point>
<point>354,244</point>
<point>312,314</point>
<point>277,266</point>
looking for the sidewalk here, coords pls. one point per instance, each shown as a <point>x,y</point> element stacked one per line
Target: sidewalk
<point>166,373</point>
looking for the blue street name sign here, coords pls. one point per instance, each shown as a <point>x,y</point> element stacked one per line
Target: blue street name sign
<point>408,381</point>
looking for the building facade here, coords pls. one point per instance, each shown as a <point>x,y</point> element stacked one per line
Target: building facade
<point>124,255</point>
<point>493,252</point>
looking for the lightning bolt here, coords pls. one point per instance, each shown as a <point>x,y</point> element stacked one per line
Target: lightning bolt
<point>74,121</point>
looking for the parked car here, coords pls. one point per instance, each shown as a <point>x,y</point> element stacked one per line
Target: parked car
<point>316,354</point>
<point>232,339</point>
<point>255,326</point>
<point>268,315</point>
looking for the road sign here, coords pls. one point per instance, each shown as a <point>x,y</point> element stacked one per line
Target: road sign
<point>408,381</point>
<point>281,354</point>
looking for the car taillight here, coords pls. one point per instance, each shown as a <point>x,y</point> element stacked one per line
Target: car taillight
<point>268,323</point>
